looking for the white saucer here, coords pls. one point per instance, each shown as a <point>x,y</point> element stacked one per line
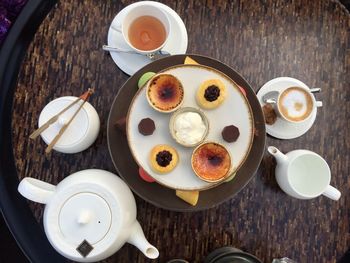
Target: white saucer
<point>282,129</point>
<point>130,63</point>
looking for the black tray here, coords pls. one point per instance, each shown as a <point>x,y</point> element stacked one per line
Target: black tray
<point>19,218</point>
<point>165,197</point>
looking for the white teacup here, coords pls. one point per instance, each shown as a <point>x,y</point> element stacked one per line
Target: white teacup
<point>287,101</point>
<point>303,174</point>
<point>138,11</point>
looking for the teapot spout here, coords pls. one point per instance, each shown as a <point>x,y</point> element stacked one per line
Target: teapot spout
<point>280,157</point>
<point>137,238</point>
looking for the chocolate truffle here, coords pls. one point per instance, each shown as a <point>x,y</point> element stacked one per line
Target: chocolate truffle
<point>269,114</point>
<point>146,126</point>
<point>230,133</point>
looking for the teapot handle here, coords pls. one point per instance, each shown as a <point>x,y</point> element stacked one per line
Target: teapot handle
<point>36,190</point>
<point>332,193</point>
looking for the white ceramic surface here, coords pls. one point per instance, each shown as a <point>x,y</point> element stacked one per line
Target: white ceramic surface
<point>80,134</point>
<point>92,205</point>
<point>130,63</point>
<point>283,129</point>
<point>314,106</point>
<point>136,11</point>
<point>303,174</point>
<point>235,110</point>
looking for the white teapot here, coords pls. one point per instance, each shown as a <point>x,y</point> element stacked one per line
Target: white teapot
<point>89,215</point>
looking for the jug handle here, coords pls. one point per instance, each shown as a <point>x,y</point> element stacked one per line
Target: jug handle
<point>332,193</point>
<point>36,190</point>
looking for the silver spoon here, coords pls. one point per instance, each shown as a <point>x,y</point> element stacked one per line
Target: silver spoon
<point>151,56</point>
<point>271,97</point>
<point>315,90</point>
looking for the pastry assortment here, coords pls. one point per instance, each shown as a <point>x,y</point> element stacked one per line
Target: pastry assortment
<point>165,93</point>
<point>146,126</point>
<point>163,158</point>
<point>189,127</point>
<point>145,176</point>
<point>211,162</point>
<point>211,93</point>
<point>144,79</point>
<point>230,133</point>
<point>190,197</point>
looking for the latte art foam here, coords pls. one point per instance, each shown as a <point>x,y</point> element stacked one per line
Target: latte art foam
<point>295,104</point>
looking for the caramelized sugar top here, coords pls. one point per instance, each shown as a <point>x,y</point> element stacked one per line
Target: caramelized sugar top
<point>165,92</point>
<point>211,161</point>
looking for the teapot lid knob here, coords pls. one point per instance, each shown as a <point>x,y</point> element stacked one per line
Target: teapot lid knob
<point>84,217</point>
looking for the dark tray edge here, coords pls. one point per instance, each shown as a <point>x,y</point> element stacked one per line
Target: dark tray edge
<point>28,234</point>
<point>243,82</point>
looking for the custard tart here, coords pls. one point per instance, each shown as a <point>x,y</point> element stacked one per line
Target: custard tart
<point>211,162</point>
<point>165,93</point>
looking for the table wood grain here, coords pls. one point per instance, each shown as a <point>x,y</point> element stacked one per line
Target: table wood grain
<point>308,40</point>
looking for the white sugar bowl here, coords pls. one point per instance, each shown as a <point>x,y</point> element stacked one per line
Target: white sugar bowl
<point>82,131</point>
<point>89,215</point>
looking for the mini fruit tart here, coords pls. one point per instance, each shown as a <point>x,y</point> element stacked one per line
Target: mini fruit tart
<point>163,158</point>
<point>211,93</point>
<point>165,93</point>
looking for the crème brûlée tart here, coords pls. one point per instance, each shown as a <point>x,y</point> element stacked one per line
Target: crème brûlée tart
<point>165,93</point>
<point>211,162</point>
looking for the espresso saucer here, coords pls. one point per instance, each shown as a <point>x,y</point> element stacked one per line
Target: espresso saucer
<point>130,63</point>
<point>282,129</point>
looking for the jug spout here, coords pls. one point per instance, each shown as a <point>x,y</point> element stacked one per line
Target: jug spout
<point>36,190</point>
<point>137,238</point>
<point>280,157</point>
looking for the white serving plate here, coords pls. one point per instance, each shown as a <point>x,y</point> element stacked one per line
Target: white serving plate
<point>235,110</point>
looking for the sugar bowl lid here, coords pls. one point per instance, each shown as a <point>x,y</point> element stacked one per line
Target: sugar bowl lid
<point>81,132</point>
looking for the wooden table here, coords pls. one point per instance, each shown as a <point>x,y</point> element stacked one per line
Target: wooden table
<point>308,40</point>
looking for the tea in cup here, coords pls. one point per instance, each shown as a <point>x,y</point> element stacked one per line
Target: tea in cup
<point>145,28</point>
<point>303,174</point>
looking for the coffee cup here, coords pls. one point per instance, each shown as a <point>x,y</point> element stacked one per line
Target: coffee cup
<point>303,174</point>
<point>145,28</point>
<point>294,104</point>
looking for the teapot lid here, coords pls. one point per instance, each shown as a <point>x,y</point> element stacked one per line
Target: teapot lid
<point>84,216</point>
<point>83,222</point>
<point>80,134</point>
